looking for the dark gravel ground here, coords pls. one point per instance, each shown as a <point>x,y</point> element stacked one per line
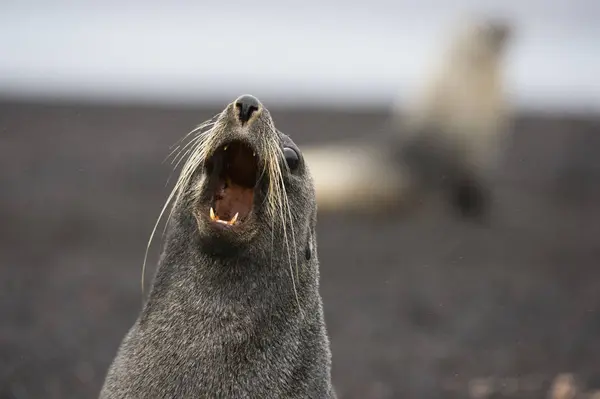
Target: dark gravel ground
<point>416,308</point>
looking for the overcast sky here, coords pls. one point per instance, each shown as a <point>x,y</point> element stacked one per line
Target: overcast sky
<point>310,51</point>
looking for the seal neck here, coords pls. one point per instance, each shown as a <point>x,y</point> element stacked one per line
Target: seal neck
<point>188,270</point>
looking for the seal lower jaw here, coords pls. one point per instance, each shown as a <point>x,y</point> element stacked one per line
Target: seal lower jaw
<point>233,183</point>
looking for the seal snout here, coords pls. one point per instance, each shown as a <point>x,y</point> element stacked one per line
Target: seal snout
<point>246,107</point>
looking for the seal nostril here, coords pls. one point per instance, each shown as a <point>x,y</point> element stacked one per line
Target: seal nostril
<point>247,106</point>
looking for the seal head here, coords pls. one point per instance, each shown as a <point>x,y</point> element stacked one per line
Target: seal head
<point>241,178</point>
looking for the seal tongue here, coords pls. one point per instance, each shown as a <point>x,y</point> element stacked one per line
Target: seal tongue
<point>233,199</point>
<point>234,196</point>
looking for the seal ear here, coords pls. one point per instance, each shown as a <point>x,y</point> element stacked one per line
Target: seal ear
<point>309,249</point>
<point>310,244</point>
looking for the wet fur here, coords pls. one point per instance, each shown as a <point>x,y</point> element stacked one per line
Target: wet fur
<point>232,319</point>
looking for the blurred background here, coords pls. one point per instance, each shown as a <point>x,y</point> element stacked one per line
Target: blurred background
<point>94,94</point>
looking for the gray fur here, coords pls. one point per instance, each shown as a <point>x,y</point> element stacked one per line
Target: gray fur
<point>223,319</point>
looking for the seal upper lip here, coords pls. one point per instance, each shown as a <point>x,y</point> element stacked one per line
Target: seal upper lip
<point>233,170</point>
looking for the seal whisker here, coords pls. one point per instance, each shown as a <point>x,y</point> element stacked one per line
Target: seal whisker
<point>199,132</point>
<point>285,204</point>
<point>201,127</point>
<point>183,180</point>
<point>181,152</point>
<point>280,204</point>
<point>284,195</point>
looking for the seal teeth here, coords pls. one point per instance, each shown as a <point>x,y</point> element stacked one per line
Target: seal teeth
<point>215,218</point>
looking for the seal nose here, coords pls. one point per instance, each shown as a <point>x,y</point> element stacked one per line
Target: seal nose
<point>247,105</point>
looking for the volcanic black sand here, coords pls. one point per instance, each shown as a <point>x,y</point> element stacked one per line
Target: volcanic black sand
<point>416,308</point>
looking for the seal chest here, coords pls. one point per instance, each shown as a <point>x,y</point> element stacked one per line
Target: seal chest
<point>234,310</point>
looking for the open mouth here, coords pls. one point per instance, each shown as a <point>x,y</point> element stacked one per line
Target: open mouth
<point>234,169</point>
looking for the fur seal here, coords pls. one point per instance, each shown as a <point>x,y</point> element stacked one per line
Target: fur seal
<point>447,141</point>
<point>234,310</point>
<point>454,133</point>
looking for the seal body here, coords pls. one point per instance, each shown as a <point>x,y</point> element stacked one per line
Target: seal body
<point>444,145</point>
<point>453,133</point>
<point>234,310</point>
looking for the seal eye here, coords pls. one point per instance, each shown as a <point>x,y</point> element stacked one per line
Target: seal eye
<point>291,158</point>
